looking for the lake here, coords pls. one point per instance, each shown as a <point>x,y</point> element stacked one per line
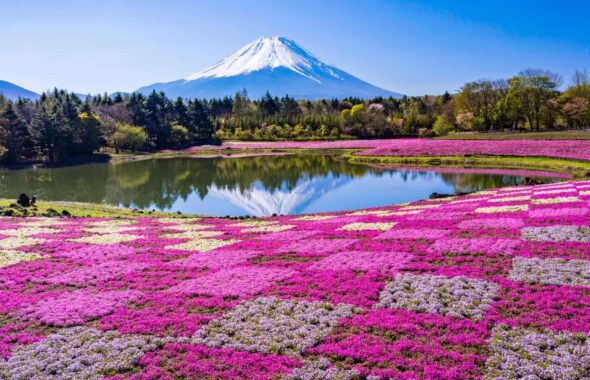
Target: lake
<point>255,185</point>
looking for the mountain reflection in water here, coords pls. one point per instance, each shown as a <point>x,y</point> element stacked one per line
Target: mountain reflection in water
<point>259,185</point>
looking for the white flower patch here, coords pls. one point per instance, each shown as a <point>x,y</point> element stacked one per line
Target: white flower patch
<point>402,213</point>
<point>550,271</point>
<point>192,235</point>
<point>371,212</point>
<point>8,257</point>
<point>111,223</point>
<point>78,353</point>
<point>585,192</point>
<point>579,234</point>
<point>548,201</point>
<point>18,242</point>
<point>360,226</point>
<point>253,223</point>
<point>467,200</point>
<point>313,218</point>
<point>202,245</point>
<point>109,229</point>
<point>178,220</point>
<point>106,239</point>
<point>28,231</point>
<point>483,192</point>
<point>498,209</point>
<point>187,227</point>
<point>46,222</point>
<point>529,354</point>
<point>271,325</point>
<point>268,228</point>
<point>515,192</point>
<point>510,199</point>
<point>459,296</point>
<point>557,191</point>
<point>419,207</point>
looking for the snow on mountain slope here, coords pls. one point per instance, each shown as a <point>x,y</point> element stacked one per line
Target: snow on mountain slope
<point>275,64</point>
<point>269,52</point>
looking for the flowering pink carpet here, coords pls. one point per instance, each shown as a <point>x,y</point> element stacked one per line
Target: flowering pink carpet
<point>573,149</point>
<point>490,285</point>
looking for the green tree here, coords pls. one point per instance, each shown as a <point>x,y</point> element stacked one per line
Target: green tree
<point>86,133</point>
<point>531,91</point>
<point>442,126</point>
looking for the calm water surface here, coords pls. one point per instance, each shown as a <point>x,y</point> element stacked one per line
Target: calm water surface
<point>262,185</point>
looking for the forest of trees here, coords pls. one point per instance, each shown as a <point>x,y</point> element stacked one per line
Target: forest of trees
<point>60,124</point>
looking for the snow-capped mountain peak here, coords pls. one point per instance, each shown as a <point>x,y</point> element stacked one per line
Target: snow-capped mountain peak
<point>276,65</point>
<point>268,53</point>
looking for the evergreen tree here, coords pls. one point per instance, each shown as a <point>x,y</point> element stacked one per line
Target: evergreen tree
<point>180,112</point>
<point>268,105</point>
<point>14,134</point>
<point>199,123</point>
<point>157,124</point>
<point>118,98</point>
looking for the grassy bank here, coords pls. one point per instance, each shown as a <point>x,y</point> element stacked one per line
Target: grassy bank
<point>577,169</point>
<point>558,135</point>
<point>75,209</point>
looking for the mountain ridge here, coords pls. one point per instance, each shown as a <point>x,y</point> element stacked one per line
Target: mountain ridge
<point>12,91</point>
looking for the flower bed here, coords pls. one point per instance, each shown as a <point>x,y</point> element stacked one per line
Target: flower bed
<point>494,285</point>
<point>573,149</point>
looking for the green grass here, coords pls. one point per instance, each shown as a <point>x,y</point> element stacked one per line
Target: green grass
<point>79,209</point>
<point>578,169</point>
<point>560,135</point>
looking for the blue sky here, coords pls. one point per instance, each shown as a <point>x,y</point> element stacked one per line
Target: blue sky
<point>413,47</point>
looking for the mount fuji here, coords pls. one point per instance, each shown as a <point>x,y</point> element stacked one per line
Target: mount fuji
<point>274,64</point>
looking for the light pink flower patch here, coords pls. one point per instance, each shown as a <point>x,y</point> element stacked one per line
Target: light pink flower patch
<point>286,235</point>
<point>96,253</point>
<point>75,308</point>
<point>216,260</point>
<point>387,262</point>
<point>558,212</point>
<point>491,223</point>
<point>318,246</point>
<point>474,246</point>
<point>91,275</point>
<point>414,233</point>
<point>237,281</point>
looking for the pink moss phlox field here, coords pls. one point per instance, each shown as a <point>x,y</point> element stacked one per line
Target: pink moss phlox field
<point>476,286</point>
<point>576,149</point>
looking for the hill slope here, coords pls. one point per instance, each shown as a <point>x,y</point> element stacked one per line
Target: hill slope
<point>13,92</point>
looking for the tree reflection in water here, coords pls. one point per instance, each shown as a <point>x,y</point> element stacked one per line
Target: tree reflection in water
<point>160,183</point>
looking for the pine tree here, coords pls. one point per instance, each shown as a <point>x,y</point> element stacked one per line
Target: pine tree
<point>14,134</point>
<point>199,122</point>
<point>180,112</point>
<point>268,105</point>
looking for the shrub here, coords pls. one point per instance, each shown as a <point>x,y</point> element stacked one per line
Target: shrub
<point>130,137</point>
<point>442,127</point>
